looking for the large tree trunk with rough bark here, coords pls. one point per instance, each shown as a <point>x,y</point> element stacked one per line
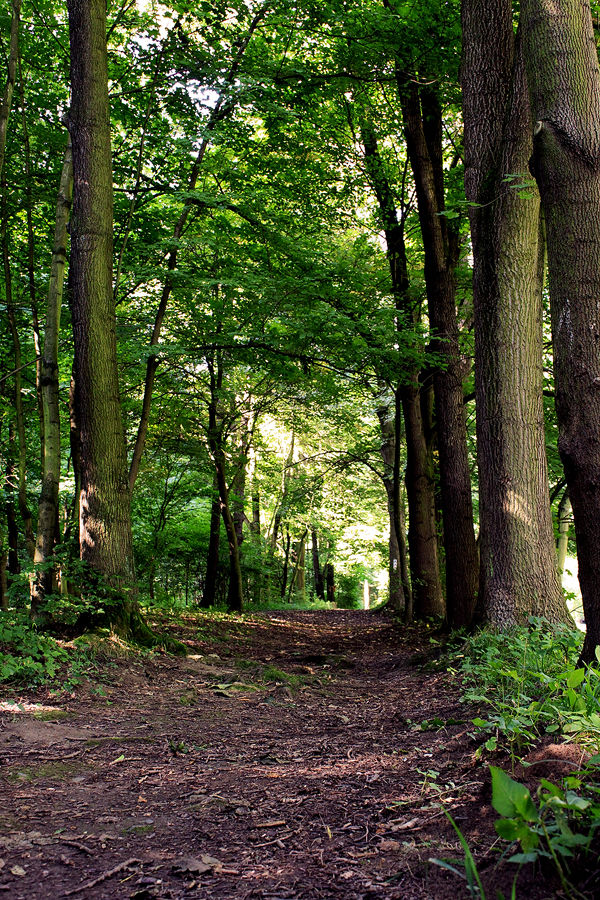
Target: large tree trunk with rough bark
<point>564,84</point>
<point>105,538</point>
<point>518,575</point>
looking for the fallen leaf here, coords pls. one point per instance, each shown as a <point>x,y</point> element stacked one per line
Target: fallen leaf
<point>389,845</point>
<point>18,870</point>
<point>117,760</point>
<point>189,865</point>
<point>404,826</point>
<point>192,866</point>
<point>2,863</point>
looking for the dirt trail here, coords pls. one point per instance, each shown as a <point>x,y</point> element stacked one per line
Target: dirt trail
<point>215,777</point>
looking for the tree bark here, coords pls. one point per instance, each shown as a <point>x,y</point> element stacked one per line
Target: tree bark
<point>31,256</point>
<point>49,384</point>
<point>286,563</point>
<point>386,416</point>
<point>422,118</point>
<point>330,582</point>
<point>212,559</point>
<point>518,574</point>
<point>105,538</point>
<point>564,84</point>
<point>317,572</point>
<point>11,315</point>
<point>11,74</point>
<point>12,529</point>
<point>235,599</point>
<point>422,531</point>
<point>564,526</point>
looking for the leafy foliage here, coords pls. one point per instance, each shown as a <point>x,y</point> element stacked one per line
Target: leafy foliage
<point>529,680</point>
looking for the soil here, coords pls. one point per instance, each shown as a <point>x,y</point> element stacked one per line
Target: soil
<point>290,755</point>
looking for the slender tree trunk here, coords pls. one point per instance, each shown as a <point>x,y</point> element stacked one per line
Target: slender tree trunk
<point>399,512</point>
<point>105,538</point>
<point>74,444</point>
<point>422,532</point>
<point>518,575</point>
<point>3,581</point>
<point>286,563</point>
<point>387,425</point>
<point>564,526</point>
<point>330,582</point>
<point>18,389</point>
<point>14,566</point>
<point>235,598</point>
<point>237,489</point>
<point>31,256</point>
<point>51,457</point>
<point>423,130</point>
<point>11,74</point>
<point>297,581</point>
<point>317,573</point>
<point>564,84</point>
<point>212,560</point>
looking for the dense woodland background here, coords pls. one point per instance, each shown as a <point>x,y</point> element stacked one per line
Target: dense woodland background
<point>334,344</point>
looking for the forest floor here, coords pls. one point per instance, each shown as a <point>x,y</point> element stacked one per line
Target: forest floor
<point>290,755</point>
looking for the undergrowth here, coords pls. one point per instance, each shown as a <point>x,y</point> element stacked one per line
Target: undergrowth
<point>528,681</point>
<point>528,684</point>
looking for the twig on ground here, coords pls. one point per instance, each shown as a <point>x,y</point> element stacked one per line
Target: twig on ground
<point>114,871</point>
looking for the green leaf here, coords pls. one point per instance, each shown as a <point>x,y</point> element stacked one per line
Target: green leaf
<point>509,798</point>
<point>575,678</point>
<point>523,858</point>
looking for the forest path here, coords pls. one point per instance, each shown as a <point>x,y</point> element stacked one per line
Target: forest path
<point>291,755</point>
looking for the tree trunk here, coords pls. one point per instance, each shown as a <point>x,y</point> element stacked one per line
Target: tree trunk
<point>396,598</point>
<point>235,599</point>
<point>212,559</point>
<point>317,573</point>
<point>564,83</point>
<point>51,457</point>
<point>105,538</point>
<point>286,563</point>
<point>74,445</point>
<point>423,130</point>
<point>11,74</point>
<point>255,523</point>
<point>3,581</point>
<point>14,566</point>
<point>11,315</point>
<point>564,526</point>
<point>330,582</point>
<point>518,574</point>
<point>422,531</point>
<point>31,257</point>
